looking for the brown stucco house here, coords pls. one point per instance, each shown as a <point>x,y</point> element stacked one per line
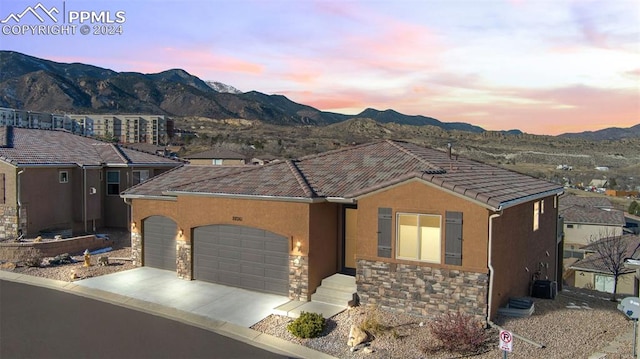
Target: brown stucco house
<point>422,231</point>
<point>54,181</point>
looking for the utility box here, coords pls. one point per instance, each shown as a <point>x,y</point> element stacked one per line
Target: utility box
<point>545,289</point>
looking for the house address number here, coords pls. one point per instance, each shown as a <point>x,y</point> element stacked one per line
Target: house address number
<point>237,219</point>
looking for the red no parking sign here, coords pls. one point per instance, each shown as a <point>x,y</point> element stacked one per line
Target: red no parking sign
<point>506,341</point>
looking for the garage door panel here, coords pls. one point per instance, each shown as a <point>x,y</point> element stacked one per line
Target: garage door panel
<point>276,274</point>
<point>277,260</point>
<point>253,256</point>
<point>241,256</point>
<point>253,270</point>
<point>277,246</point>
<point>253,243</point>
<point>230,253</point>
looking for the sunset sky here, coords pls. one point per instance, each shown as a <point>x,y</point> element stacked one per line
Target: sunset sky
<point>543,66</point>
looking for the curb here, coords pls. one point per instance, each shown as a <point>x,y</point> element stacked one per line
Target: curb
<point>230,330</point>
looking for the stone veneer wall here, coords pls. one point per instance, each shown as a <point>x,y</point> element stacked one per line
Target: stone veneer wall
<point>298,278</point>
<point>422,291</point>
<point>136,248</point>
<point>8,222</point>
<point>183,260</point>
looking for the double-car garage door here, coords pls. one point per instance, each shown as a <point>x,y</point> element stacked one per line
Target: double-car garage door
<point>237,256</point>
<point>242,257</point>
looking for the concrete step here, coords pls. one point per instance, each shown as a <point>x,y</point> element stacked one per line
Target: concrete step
<point>335,293</point>
<point>341,282</point>
<point>294,308</point>
<point>338,289</point>
<point>329,299</point>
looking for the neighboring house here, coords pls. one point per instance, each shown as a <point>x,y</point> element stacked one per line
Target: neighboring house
<point>598,183</point>
<point>263,160</point>
<point>422,231</point>
<point>586,219</point>
<point>54,180</point>
<point>591,272</point>
<point>218,157</point>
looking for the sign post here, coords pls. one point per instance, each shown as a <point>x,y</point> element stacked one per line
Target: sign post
<point>630,306</point>
<point>506,342</point>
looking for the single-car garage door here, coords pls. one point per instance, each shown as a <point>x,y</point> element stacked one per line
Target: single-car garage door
<point>242,257</point>
<point>159,242</point>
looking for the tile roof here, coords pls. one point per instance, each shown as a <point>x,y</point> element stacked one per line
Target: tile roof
<point>33,147</point>
<point>356,171</point>
<point>591,201</point>
<point>592,215</point>
<point>595,262</point>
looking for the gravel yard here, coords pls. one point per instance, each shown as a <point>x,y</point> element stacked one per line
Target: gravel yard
<point>565,332</point>
<point>118,261</point>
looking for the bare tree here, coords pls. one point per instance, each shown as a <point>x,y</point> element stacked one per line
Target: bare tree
<point>612,249</point>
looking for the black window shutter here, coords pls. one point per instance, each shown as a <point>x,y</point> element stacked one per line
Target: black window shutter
<point>384,232</point>
<point>453,238</point>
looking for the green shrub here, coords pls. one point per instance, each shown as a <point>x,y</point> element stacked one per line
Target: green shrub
<point>308,325</point>
<point>459,332</point>
<point>634,208</point>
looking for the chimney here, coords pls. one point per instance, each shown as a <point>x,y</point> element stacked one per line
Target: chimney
<point>449,149</point>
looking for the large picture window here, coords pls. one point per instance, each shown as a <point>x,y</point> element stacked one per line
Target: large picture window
<point>113,183</point>
<point>419,237</point>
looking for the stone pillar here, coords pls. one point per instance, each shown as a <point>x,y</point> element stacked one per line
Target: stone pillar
<point>298,278</point>
<point>136,248</point>
<point>9,222</point>
<point>183,259</point>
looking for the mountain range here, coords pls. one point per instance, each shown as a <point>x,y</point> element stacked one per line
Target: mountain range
<point>35,84</point>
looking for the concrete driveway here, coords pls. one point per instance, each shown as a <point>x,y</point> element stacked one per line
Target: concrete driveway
<point>234,305</point>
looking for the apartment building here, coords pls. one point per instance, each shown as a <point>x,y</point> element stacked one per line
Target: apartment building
<point>133,128</point>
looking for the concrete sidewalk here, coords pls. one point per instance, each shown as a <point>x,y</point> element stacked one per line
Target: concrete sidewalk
<point>195,304</point>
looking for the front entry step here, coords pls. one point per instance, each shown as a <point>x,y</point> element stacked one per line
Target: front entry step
<point>338,289</point>
<point>335,294</point>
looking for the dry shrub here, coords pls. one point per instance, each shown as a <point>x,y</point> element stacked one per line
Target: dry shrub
<point>31,257</point>
<point>372,324</point>
<point>458,332</point>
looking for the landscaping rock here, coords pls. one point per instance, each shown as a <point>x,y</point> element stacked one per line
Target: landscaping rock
<point>357,336</point>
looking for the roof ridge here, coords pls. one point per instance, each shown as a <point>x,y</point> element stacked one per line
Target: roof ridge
<point>397,145</point>
<point>302,181</point>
